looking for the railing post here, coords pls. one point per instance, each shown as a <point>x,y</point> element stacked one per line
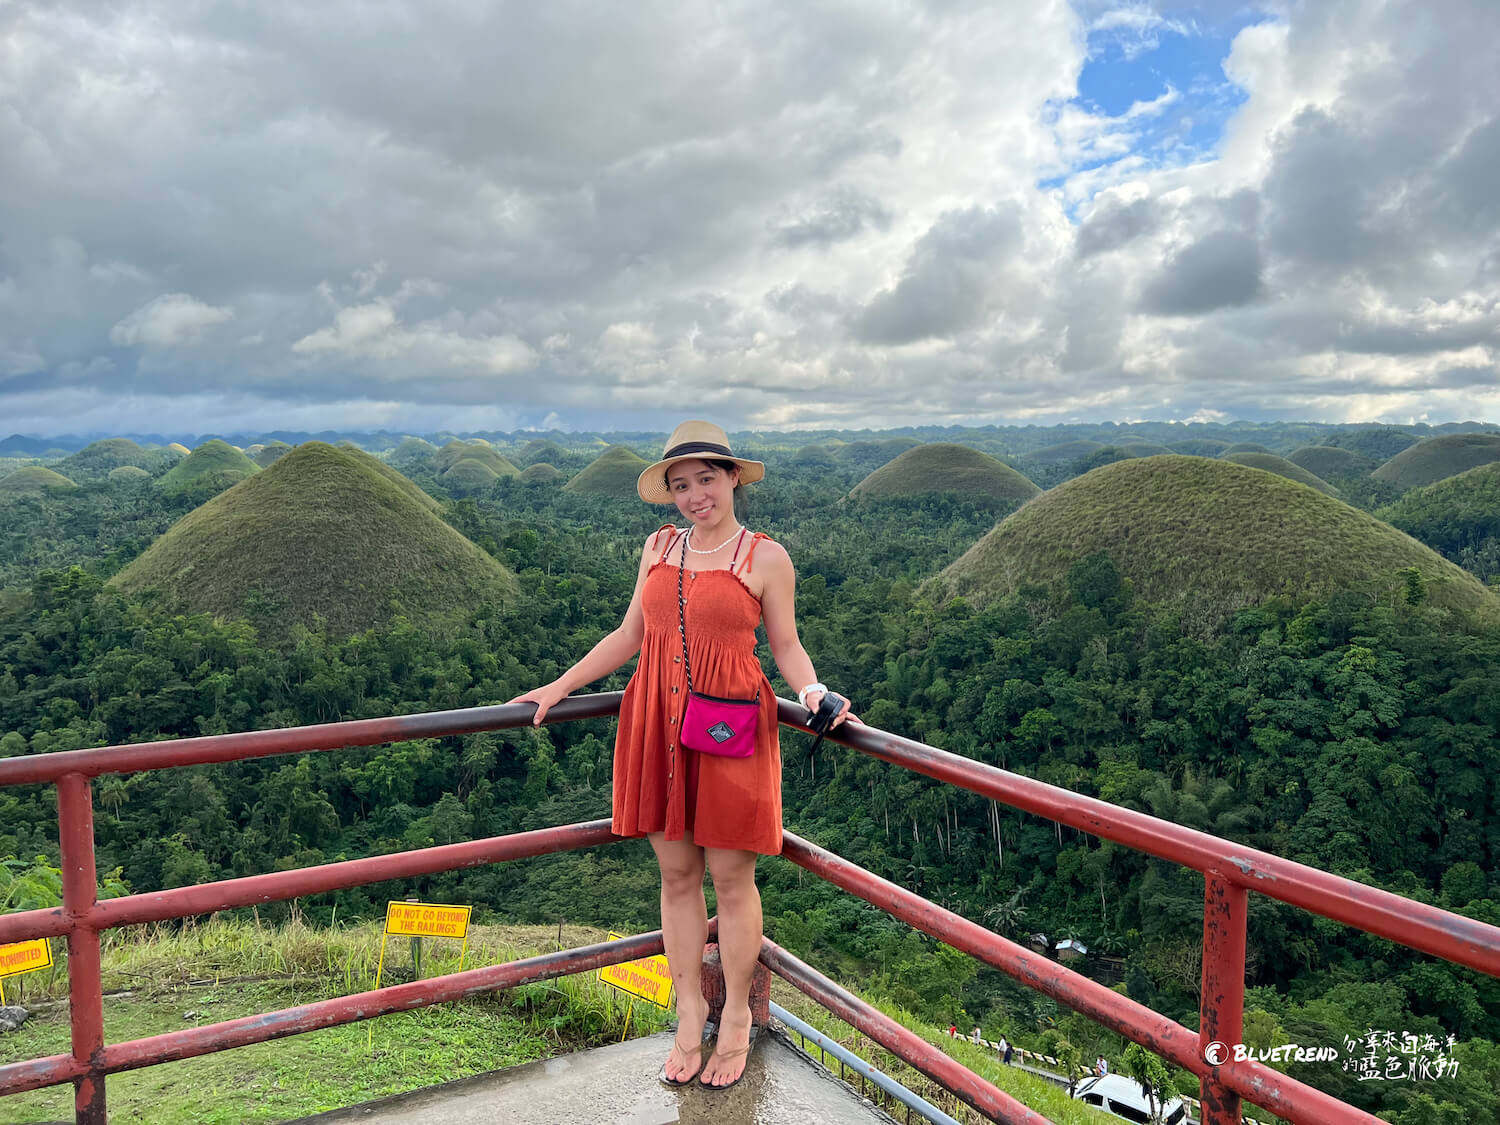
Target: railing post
<point>1222,1007</point>
<point>75,830</point>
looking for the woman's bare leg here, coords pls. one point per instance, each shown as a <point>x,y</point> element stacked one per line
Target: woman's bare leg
<point>684,930</point>
<point>739,947</point>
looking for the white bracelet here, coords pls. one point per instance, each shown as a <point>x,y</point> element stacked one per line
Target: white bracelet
<point>802,695</point>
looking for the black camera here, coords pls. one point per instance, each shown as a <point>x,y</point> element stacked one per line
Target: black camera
<point>821,720</point>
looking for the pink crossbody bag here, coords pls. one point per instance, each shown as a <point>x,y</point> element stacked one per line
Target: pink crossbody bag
<point>712,725</point>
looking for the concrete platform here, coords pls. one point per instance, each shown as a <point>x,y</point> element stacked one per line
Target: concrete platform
<point>616,1085</point>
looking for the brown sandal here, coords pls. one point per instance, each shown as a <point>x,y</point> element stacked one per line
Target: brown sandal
<point>718,1054</point>
<point>686,1053</point>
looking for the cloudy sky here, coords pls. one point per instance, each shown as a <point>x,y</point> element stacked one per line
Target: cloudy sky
<point>426,214</point>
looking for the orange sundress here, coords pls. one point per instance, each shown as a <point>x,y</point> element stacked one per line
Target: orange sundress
<point>658,785</point>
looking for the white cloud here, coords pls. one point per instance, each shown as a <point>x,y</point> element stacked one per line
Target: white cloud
<point>794,214</point>
<point>168,321</point>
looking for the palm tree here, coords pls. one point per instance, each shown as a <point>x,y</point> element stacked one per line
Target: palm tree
<point>1006,917</point>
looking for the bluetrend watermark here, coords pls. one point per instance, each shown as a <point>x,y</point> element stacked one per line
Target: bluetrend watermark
<point>1376,1056</point>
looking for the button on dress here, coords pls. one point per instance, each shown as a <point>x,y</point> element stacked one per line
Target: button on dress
<point>658,785</point>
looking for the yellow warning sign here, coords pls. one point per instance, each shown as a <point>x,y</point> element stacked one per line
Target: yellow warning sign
<point>25,956</point>
<point>649,978</point>
<point>427,919</point>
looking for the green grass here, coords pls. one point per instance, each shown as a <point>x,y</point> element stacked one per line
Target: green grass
<point>1036,1093</point>
<point>1208,537</point>
<point>32,481</point>
<point>212,467</point>
<point>1460,511</point>
<point>323,531</point>
<point>944,467</point>
<point>128,474</point>
<point>1329,461</point>
<point>267,455</point>
<point>543,473</point>
<point>1065,451</point>
<point>1439,458</point>
<point>1270,463</point>
<point>470,474</point>
<point>458,451</point>
<point>96,460</point>
<point>1199,447</point>
<point>224,970</point>
<point>613,473</point>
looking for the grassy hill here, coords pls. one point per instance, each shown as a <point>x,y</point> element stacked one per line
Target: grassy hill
<point>478,450</point>
<point>1244,447</point>
<point>872,454</point>
<point>1282,468</point>
<point>95,461</point>
<point>1438,459</point>
<point>128,474</point>
<point>411,451</point>
<point>1065,451</point>
<point>178,448</point>
<point>324,531</point>
<point>32,481</point>
<point>1330,462</point>
<point>542,451</point>
<point>1199,447</point>
<point>1462,511</point>
<point>268,454</point>
<point>470,474</point>
<point>943,467</point>
<point>1378,443</point>
<point>613,473</point>
<point>1208,536</point>
<point>212,467</point>
<point>543,473</point>
<point>1142,448</point>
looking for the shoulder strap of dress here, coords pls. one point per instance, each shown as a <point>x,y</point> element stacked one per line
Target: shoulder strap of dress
<point>744,567</point>
<point>661,558</point>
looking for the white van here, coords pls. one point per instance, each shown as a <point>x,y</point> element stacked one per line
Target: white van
<point>1121,1096</point>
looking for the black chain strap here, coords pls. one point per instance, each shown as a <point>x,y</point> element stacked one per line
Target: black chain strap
<point>682,612</point>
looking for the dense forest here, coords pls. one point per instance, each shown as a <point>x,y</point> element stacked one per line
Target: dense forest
<point>1354,733</point>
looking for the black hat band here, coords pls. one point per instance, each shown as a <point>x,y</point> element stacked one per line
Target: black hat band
<point>697,447</point>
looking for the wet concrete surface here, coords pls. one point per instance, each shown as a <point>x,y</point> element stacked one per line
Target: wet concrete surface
<point>617,1085</point>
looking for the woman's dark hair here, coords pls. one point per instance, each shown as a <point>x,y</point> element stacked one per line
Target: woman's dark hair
<point>724,466</point>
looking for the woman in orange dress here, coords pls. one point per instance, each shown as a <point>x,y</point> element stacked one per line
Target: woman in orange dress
<point>701,810</point>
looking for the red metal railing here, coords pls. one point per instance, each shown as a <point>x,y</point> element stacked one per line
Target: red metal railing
<point>1230,872</point>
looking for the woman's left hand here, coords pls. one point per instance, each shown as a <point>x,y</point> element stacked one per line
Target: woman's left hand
<point>815,700</point>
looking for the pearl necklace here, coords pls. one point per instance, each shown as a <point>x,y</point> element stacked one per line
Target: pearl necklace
<point>712,550</point>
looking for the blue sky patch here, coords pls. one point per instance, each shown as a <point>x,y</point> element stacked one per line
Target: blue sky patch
<point>1139,57</point>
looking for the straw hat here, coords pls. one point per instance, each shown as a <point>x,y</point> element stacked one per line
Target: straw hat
<point>693,440</point>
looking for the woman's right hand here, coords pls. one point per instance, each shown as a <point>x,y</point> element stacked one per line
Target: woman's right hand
<point>544,697</point>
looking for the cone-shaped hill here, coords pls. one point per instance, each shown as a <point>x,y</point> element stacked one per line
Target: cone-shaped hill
<point>1208,537</point>
<point>541,451</point>
<point>411,451</point>
<point>470,474</point>
<point>1462,511</point>
<point>1063,452</point>
<point>128,474</point>
<point>212,467</point>
<point>178,448</point>
<point>32,481</point>
<point>543,473</point>
<point>323,531</point>
<point>1282,468</point>
<point>268,454</point>
<point>943,467</point>
<point>1329,461</point>
<point>1379,443</point>
<point>1244,447</point>
<point>477,450</point>
<point>1438,459</point>
<point>95,461</point>
<point>1199,447</point>
<point>613,473</point>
